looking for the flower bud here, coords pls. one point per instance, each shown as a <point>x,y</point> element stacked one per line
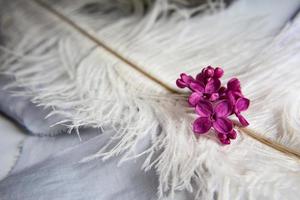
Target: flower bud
<point>226,141</point>
<point>232,134</point>
<point>218,72</point>
<point>209,72</point>
<point>222,136</point>
<point>234,85</point>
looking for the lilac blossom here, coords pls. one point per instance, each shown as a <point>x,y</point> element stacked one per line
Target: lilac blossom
<point>214,103</point>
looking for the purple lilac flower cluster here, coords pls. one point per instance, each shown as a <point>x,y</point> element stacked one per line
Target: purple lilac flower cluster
<point>214,103</point>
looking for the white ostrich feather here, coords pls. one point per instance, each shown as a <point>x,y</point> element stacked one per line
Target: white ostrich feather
<point>88,86</point>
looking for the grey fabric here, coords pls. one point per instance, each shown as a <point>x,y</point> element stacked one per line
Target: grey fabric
<point>37,149</point>
<point>27,114</point>
<point>61,176</point>
<point>11,139</point>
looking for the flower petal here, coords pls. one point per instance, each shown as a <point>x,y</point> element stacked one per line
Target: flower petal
<point>202,125</point>
<point>197,87</point>
<point>223,125</point>
<point>186,78</point>
<point>234,85</point>
<point>231,98</point>
<point>180,83</point>
<point>194,98</point>
<point>212,86</point>
<point>242,104</point>
<point>200,77</point>
<point>204,109</point>
<point>223,108</point>
<point>242,120</point>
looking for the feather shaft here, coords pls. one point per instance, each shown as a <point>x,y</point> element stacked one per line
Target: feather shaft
<point>274,145</point>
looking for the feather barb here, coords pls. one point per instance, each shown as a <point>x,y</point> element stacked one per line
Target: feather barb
<point>103,45</point>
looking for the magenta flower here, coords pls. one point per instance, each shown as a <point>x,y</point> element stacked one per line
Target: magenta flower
<point>237,100</point>
<point>214,103</point>
<point>206,85</point>
<point>213,116</point>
